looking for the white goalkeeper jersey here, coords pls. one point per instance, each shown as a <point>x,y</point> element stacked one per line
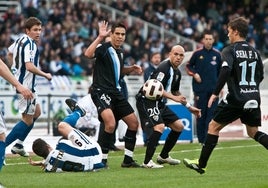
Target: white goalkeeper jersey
<point>70,157</point>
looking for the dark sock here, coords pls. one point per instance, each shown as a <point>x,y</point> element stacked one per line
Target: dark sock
<point>262,138</point>
<point>130,142</point>
<point>169,144</point>
<point>104,141</point>
<point>151,146</point>
<point>207,149</point>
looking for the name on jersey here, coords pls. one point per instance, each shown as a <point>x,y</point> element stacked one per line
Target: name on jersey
<point>246,54</point>
<point>249,90</point>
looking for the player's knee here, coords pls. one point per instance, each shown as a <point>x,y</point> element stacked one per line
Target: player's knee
<point>251,131</point>
<point>177,126</point>
<point>214,127</point>
<point>132,122</point>
<point>61,126</point>
<point>133,125</point>
<point>160,127</point>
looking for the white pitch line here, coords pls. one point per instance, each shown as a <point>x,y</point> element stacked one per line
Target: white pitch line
<point>179,151</point>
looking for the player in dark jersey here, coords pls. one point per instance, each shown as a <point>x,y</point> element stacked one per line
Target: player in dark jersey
<point>155,114</point>
<point>106,91</point>
<point>242,70</point>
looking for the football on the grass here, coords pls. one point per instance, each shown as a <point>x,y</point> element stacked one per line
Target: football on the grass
<point>153,89</point>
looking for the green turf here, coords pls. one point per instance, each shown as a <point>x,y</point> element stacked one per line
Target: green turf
<point>239,164</point>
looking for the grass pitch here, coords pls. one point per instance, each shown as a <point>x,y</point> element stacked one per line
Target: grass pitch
<point>239,164</point>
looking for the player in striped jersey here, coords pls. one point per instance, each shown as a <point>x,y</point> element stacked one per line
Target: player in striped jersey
<point>74,152</point>
<point>25,57</point>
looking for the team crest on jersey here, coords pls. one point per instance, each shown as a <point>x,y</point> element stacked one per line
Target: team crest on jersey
<point>31,53</point>
<point>160,76</point>
<point>156,117</point>
<point>213,62</point>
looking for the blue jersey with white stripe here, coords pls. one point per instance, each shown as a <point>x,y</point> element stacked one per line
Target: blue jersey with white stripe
<point>24,50</point>
<point>69,157</point>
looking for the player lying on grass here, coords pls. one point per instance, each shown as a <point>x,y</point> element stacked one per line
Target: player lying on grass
<point>75,151</point>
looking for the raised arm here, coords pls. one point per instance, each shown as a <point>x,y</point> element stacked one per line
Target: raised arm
<point>103,32</point>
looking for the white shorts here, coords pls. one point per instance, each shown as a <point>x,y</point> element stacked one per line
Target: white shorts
<point>2,124</point>
<point>27,106</point>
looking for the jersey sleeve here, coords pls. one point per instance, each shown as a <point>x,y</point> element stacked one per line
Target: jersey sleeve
<point>227,57</point>
<point>224,75</point>
<point>225,70</point>
<point>29,52</point>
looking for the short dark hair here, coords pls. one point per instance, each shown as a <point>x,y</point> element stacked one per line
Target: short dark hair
<point>239,24</point>
<point>40,148</point>
<point>31,21</point>
<point>207,32</point>
<point>116,25</point>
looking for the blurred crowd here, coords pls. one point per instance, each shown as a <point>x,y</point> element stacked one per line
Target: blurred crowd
<point>70,26</point>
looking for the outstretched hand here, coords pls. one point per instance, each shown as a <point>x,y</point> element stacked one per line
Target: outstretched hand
<point>36,163</point>
<point>103,29</point>
<point>137,69</point>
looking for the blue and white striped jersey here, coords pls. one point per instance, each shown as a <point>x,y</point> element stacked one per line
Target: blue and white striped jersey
<point>69,157</point>
<point>24,49</point>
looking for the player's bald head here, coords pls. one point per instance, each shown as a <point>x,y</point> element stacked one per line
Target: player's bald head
<point>177,48</point>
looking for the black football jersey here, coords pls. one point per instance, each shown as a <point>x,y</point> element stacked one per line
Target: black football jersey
<point>246,73</point>
<point>169,76</point>
<point>107,68</point>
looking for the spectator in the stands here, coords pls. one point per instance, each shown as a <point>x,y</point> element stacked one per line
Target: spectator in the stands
<point>67,18</point>
<point>77,70</point>
<point>58,67</point>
